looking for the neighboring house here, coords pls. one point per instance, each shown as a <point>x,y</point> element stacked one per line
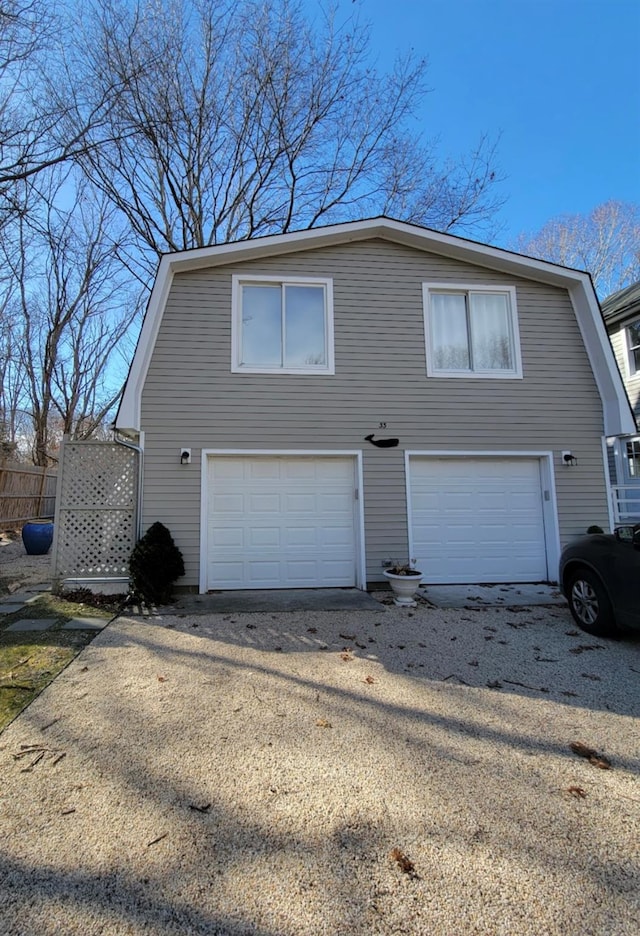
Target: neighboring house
<point>621,313</point>
<point>263,365</point>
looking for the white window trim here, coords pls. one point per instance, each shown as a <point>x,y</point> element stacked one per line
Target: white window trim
<point>237,281</point>
<point>510,291</point>
<point>632,370</point>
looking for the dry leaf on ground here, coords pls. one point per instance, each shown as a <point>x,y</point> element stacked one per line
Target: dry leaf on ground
<point>404,862</point>
<point>598,760</point>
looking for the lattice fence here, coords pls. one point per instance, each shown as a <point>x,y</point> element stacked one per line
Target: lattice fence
<point>95,523</point>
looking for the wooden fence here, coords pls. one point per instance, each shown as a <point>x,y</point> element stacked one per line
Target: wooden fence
<point>26,493</point>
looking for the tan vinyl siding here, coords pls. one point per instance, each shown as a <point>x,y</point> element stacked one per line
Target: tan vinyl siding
<point>192,399</point>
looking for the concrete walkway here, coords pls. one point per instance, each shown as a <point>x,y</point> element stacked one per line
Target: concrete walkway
<point>492,596</point>
<point>310,599</point>
<point>274,600</point>
<point>352,599</point>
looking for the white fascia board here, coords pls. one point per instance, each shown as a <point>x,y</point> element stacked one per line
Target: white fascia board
<point>617,414</point>
<point>614,399</point>
<point>128,417</point>
<point>496,258</point>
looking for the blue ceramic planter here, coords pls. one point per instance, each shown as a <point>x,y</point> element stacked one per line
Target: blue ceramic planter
<point>37,538</point>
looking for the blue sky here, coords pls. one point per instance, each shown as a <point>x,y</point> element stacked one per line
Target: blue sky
<point>558,79</point>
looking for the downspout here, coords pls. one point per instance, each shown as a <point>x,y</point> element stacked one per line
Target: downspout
<point>127,443</point>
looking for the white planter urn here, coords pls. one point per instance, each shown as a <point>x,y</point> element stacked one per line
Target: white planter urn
<point>404,587</point>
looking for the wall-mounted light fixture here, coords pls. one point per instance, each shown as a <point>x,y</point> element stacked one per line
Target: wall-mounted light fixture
<point>569,459</point>
<point>185,456</point>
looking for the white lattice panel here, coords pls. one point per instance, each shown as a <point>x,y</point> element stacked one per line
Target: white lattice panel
<point>98,474</point>
<point>94,543</point>
<point>96,514</point>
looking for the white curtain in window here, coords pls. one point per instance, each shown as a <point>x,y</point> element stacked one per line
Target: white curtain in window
<point>450,343</point>
<point>490,331</point>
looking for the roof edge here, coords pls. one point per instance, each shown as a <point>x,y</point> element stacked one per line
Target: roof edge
<point>386,228</point>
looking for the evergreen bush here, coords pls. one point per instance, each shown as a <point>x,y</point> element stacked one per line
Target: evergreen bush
<point>154,565</point>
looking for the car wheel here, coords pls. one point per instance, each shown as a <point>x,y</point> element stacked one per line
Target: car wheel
<point>590,604</point>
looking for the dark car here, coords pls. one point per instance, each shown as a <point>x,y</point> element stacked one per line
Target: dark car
<point>600,578</point>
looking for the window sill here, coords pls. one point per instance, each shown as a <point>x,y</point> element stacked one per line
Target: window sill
<point>243,369</point>
<point>476,375</point>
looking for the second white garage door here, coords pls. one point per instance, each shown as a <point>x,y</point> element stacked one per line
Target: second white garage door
<point>477,519</point>
<point>281,522</point>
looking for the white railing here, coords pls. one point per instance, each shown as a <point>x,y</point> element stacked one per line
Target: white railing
<point>626,503</point>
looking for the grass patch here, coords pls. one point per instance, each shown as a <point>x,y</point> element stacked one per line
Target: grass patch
<point>30,660</point>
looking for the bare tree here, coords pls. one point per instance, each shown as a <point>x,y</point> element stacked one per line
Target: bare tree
<point>71,309</point>
<point>192,123</point>
<point>12,375</point>
<point>238,119</point>
<point>45,116</point>
<point>606,243</point>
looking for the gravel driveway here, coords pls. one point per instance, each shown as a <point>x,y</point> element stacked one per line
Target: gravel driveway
<point>389,772</point>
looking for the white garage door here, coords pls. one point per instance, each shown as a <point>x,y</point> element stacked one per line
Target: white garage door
<point>477,520</point>
<point>281,522</point>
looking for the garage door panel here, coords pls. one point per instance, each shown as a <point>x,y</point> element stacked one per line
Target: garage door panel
<point>264,503</point>
<point>229,572</point>
<point>260,537</point>
<point>300,503</point>
<point>230,468</point>
<point>263,470</point>
<point>281,521</point>
<point>300,537</point>
<point>229,504</point>
<point>336,502</point>
<point>301,571</point>
<point>460,535</point>
<point>297,469</point>
<point>226,537</point>
<point>458,504</point>
<point>477,520</point>
<point>494,538</point>
<point>336,537</point>
<point>492,500</point>
<point>262,574</point>
<point>426,501</point>
<point>335,569</point>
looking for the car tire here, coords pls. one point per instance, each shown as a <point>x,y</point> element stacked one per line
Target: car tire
<point>590,604</point>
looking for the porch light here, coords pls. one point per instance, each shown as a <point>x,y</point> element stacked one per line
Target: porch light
<point>569,459</point>
<point>185,456</point>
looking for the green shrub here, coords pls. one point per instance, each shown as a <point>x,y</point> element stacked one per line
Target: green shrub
<point>155,564</point>
<point>594,528</point>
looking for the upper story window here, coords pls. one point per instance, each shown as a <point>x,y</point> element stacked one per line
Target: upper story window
<point>471,331</point>
<point>633,346</point>
<point>282,325</point>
